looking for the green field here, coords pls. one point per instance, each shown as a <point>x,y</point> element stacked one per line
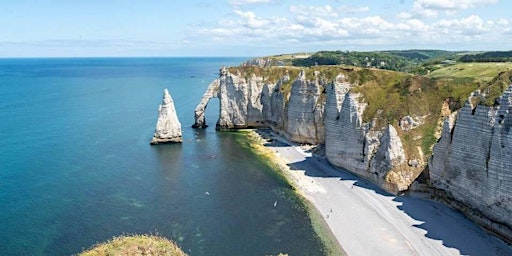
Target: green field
<point>481,72</point>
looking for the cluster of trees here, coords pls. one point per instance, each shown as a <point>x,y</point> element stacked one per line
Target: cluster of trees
<point>496,56</point>
<point>390,60</point>
<point>412,61</point>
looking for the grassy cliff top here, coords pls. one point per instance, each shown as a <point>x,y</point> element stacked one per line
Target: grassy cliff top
<point>135,245</point>
<point>479,71</point>
<point>392,95</point>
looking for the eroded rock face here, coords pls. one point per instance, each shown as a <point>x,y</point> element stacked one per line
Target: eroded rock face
<point>168,127</point>
<point>304,122</point>
<point>211,92</point>
<point>260,62</point>
<point>275,112</point>
<point>388,164</point>
<point>374,153</point>
<point>240,106</point>
<point>346,143</point>
<point>473,160</point>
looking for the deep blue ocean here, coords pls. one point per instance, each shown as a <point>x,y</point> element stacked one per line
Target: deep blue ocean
<point>76,167</point>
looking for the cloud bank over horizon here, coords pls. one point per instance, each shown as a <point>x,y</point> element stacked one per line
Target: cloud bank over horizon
<point>255,27</point>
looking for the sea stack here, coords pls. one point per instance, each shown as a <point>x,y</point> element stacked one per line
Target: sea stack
<point>168,127</point>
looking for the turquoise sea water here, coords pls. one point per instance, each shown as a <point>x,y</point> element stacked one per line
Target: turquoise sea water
<point>76,166</point>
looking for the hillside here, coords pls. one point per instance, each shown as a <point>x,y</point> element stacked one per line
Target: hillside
<point>420,62</point>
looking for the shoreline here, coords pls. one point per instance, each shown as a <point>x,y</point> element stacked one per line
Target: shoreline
<point>257,140</point>
<point>362,219</point>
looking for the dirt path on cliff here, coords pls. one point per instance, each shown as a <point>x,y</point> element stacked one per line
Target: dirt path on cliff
<point>368,221</point>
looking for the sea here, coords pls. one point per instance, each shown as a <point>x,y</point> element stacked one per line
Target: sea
<point>76,167</point>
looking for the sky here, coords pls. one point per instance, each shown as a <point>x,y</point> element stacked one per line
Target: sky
<point>126,28</point>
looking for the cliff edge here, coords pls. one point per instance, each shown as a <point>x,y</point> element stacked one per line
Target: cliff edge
<point>389,127</point>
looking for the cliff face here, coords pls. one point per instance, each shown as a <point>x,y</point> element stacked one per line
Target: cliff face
<point>472,161</point>
<point>374,153</point>
<point>305,111</point>
<point>211,92</point>
<point>239,101</point>
<point>168,127</point>
<point>311,111</point>
<point>252,102</point>
<point>386,143</point>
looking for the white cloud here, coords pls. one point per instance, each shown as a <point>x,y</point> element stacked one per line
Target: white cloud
<point>355,9</point>
<point>251,20</point>
<point>323,25</point>
<point>245,2</point>
<point>503,22</point>
<point>404,15</point>
<point>431,8</point>
<point>321,11</point>
<point>451,4</point>
<point>469,26</point>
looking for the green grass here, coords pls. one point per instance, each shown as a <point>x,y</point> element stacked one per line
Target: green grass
<point>480,72</point>
<point>392,95</point>
<point>135,245</point>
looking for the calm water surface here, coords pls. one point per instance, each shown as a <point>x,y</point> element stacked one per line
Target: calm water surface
<point>76,166</point>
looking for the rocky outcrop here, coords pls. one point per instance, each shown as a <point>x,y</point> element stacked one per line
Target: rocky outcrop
<point>305,111</point>
<point>240,106</point>
<point>260,62</point>
<point>389,163</point>
<point>211,92</point>
<point>336,93</point>
<point>472,162</point>
<point>314,113</point>
<point>274,103</point>
<point>346,143</point>
<point>374,153</point>
<point>253,102</point>
<point>168,127</point>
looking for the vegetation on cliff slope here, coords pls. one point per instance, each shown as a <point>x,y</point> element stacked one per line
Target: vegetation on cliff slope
<point>393,95</point>
<point>135,245</point>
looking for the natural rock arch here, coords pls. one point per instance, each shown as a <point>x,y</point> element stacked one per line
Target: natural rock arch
<point>211,92</point>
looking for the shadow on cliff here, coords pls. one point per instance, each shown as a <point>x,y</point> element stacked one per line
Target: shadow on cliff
<point>438,221</point>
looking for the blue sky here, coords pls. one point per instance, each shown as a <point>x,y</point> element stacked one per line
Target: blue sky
<point>63,28</point>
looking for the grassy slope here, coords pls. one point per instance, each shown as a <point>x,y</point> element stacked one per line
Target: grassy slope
<point>481,72</point>
<point>135,245</point>
<point>391,95</point>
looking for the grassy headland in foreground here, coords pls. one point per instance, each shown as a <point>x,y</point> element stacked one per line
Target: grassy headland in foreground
<point>135,245</point>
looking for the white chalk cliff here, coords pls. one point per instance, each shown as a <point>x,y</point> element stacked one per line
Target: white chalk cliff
<point>211,92</point>
<point>305,112</point>
<point>314,112</point>
<point>471,162</point>
<point>168,127</point>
